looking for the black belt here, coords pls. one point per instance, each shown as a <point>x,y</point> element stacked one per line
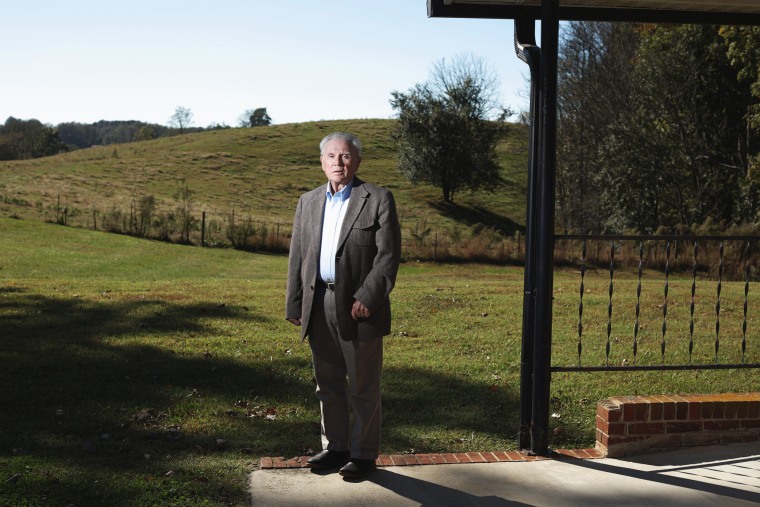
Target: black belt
<point>327,285</point>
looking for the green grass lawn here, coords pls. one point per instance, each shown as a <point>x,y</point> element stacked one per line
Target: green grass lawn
<point>137,372</point>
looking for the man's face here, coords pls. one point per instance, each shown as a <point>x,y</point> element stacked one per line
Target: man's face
<point>340,161</point>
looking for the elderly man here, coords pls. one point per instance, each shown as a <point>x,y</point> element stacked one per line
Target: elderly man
<point>344,256</point>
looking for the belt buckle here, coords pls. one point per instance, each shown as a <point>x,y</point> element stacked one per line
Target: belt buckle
<point>330,286</point>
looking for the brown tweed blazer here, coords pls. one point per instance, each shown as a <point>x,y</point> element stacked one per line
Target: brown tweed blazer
<point>366,262</point>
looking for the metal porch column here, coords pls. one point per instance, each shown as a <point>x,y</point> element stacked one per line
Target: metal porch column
<point>539,251</point>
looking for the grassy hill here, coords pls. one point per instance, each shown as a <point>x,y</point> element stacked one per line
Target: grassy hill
<point>257,172</point>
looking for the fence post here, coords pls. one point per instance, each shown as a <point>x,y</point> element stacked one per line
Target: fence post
<point>519,245</point>
<point>203,228</point>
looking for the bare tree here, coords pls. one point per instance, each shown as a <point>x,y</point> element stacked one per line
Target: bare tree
<point>181,119</point>
<point>446,77</point>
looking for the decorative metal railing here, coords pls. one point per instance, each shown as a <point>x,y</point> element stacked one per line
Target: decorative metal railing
<point>692,261</point>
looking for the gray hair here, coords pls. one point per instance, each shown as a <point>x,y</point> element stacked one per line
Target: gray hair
<point>345,136</point>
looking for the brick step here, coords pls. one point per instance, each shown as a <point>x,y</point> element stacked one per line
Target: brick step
<point>387,460</point>
<point>631,425</point>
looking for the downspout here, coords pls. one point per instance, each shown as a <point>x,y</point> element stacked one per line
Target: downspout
<point>528,52</point>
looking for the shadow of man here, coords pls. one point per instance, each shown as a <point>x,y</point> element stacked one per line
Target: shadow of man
<point>430,494</point>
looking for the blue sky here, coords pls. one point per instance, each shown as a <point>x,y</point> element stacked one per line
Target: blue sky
<point>304,60</point>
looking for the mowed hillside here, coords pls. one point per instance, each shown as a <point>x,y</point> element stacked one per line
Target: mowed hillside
<point>257,172</point>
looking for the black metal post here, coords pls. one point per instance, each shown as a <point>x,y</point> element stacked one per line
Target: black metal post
<point>527,51</point>
<point>203,229</point>
<point>542,323</point>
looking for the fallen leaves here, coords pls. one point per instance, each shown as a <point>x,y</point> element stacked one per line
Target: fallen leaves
<point>268,413</point>
<point>148,417</point>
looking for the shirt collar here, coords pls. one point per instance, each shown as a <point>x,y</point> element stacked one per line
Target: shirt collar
<point>343,194</point>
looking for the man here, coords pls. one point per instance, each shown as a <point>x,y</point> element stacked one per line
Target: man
<point>344,256</point>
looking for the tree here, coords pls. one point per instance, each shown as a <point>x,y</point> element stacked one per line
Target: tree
<point>145,133</point>
<point>255,118</point>
<point>217,126</point>
<point>743,48</point>
<point>688,133</point>
<point>146,207</point>
<point>78,134</point>
<point>653,127</point>
<point>183,213</point>
<point>24,139</point>
<point>181,119</point>
<point>449,127</point>
<point>109,132</point>
<point>595,83</point>
<point>743,43</point>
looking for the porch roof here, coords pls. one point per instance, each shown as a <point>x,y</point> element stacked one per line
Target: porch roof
<point>721,12</point>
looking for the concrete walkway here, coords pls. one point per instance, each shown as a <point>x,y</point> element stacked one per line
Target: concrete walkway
<point>698,476</point>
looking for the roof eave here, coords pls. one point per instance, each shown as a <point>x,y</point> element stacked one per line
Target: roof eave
<point>439,9</point>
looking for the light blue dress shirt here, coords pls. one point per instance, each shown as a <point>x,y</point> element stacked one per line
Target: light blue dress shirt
<point>335,210</point>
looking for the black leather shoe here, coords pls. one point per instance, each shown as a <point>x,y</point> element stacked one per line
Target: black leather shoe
<point>328,459</point>
<point>357,468</point>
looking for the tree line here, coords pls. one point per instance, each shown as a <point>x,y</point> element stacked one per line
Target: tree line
<point>26,139</point>
<point>20,139</point>
<point>658,127</point>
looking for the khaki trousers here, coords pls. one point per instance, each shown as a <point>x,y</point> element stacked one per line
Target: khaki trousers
<point>348,380</point>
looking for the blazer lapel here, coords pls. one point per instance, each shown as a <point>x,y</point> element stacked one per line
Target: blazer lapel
<point>316,209</point>
<point>359,196</point>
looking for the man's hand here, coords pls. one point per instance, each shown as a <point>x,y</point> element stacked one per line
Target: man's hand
<point>359,311</point>
<point>296,322</point>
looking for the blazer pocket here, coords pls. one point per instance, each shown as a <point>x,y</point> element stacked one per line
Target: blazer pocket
<point>364,233</point>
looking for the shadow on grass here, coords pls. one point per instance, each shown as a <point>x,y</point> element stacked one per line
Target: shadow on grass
<point>419,404</point>
<point>111,387</point>
<point>476,215</point>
